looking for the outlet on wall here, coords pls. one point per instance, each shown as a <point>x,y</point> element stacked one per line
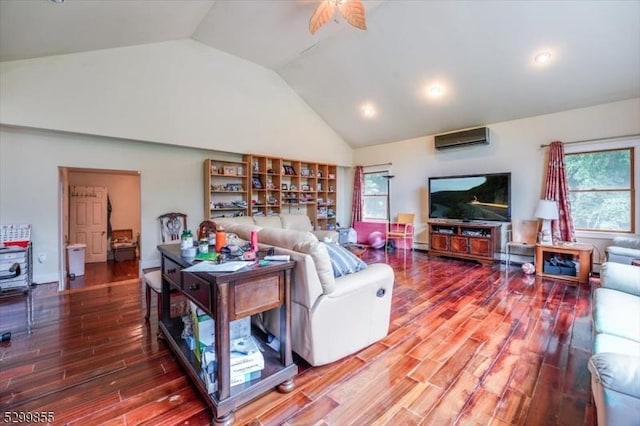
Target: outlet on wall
<point>42,257</point>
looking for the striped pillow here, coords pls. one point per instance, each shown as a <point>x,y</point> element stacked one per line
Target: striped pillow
<point>343,261</point>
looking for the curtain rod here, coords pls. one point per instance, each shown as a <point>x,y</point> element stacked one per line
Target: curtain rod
<point>596,139</point>
<point>377,165</point>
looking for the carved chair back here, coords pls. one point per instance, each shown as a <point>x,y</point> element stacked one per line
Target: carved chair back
<point>172,225</point>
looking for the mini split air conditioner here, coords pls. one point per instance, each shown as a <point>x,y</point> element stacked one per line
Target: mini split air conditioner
<point>477,136</point>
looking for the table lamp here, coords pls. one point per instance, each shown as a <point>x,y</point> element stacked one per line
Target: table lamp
<point>547,210</point>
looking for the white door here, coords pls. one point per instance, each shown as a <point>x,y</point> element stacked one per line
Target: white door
<point>88,221</point>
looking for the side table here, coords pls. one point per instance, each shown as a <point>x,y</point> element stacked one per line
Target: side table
<point>570,251</point>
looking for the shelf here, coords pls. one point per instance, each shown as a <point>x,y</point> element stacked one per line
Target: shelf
<point>271,172</point>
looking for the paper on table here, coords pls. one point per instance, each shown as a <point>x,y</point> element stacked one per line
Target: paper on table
<point>207,266</point>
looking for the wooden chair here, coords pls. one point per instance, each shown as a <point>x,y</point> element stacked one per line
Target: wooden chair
<point>401,229</point>
<point>523,236</point>
<point>171,227</point>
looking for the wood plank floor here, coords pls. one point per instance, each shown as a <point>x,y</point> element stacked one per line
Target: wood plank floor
<point>468,345</point>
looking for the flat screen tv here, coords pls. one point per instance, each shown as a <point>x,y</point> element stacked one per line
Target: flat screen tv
<point>471,197</point>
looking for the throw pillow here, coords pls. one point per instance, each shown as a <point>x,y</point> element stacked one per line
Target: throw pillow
<point>343,261</point>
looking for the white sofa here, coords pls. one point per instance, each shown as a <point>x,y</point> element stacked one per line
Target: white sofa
<point>624,249</point>
<point>297,222</point>
<point>615,364</point>
<point>331,317</point>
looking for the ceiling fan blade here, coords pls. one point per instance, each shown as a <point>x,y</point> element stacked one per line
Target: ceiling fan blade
<point>353,12</point>
<point>321,16</point>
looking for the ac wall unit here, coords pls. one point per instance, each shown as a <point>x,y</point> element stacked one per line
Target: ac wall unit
<point>477,136</point>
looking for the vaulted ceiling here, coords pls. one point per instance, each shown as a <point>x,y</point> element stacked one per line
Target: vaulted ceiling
<point>480,53</point>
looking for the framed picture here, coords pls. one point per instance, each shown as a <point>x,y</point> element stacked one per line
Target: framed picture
<point>305,188</point>
<point>229,170</point>
<point>284,187</point>
<point>256,182</point>
<point>305,172</point>
<point>288,170</point>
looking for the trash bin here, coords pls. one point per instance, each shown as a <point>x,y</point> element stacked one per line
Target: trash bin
<point>75,257</point>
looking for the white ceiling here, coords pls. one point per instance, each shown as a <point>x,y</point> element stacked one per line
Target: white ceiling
<point>480,51</point>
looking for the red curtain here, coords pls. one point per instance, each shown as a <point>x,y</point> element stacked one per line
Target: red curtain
<point>356,205</point>
<point>556,189</point>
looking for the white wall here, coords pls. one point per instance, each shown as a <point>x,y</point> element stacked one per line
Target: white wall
<point>178,92</point>
<point>171,180</point>
<point>514,147</point>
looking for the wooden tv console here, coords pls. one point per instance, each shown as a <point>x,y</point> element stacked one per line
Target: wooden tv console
<point>464,240</point>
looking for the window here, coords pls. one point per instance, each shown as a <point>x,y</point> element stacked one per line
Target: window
<point>601,189</point>
<point>376,197</point>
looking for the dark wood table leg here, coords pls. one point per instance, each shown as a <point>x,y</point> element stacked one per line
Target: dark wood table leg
<point>286,386</point>
<point>226,420</point>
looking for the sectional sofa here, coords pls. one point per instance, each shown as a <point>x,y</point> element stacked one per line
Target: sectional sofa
<point>331,317</point>
<point>615,364</point>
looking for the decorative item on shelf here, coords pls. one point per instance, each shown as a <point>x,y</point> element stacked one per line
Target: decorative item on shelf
<point>319,173</point>
<point>283,187</point>
<point>289,170</point>
<point>319,186</point>
<point>214,169</point>
<point>256,182</point>
<point>305,188</point>
<point>330,188</point>
<point>256,166</point>
<point>292,187</point>
<point>233,187</point>
<point>240,171</point>
<point>270,185</point>
<point>229,170</point>
<point>547,210</point>
<point>332,176</point>
<point>270,171</point>
<point>304,172</point>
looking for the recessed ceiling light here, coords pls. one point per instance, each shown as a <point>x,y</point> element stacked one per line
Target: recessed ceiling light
<point>542,58</point>
<point>57,1</point>
<point>368,110</point>
<point>435,91</point>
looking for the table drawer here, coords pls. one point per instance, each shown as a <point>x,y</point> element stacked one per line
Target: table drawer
<point>248,298</point>
<point>197,289</point>
<point>171,272</point>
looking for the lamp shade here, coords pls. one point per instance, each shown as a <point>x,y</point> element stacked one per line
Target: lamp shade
<point>547,209</point>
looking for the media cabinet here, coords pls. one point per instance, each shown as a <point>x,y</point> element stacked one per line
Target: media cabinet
<point>477,241</point>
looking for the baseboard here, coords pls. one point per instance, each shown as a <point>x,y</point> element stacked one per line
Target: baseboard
<point>52,277</point>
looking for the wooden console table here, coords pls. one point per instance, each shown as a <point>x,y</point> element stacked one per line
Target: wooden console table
<point>227,297</point>
<point>572,251</point>
<point>464,240</point>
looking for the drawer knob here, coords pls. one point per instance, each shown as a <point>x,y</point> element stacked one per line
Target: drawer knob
<point>381,292</point>
<point>194,286</point>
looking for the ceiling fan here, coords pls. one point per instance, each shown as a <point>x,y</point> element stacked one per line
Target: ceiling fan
<point>351,10</point>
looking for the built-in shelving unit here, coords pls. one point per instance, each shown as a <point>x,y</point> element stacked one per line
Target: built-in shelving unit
<point>281,186</point>
<point>261,185</point>
<point>226,188</point>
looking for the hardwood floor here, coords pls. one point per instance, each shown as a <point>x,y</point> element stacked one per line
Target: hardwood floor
<point>467,345</point>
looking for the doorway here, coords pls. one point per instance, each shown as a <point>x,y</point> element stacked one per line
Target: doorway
<point>84,219</point>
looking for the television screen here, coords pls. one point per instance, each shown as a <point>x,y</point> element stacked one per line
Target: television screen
<point>471,197</point>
